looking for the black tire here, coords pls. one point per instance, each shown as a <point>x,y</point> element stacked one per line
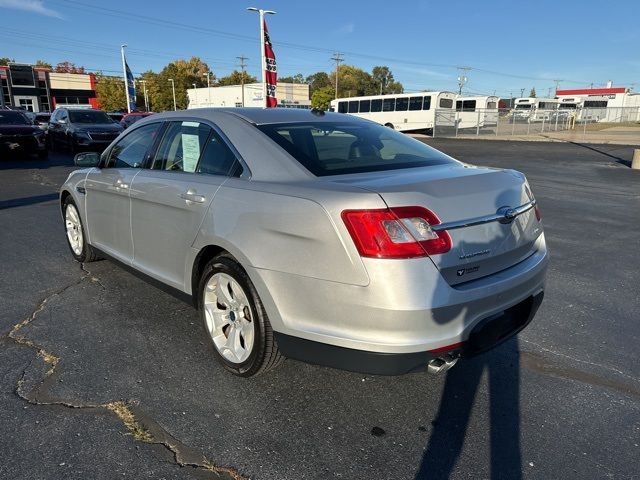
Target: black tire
<point>265,354</point>
<point>88,254</point>
<point>43,154</point>
<point>389,125</point>
<point>71,145</point>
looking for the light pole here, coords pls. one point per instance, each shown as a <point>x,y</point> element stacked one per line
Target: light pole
<point>126,80</point>
<point>146,99</point>
<point>263,63</point>
<point>208,75</point>
<point>173,89</point>
<point>195,93</point>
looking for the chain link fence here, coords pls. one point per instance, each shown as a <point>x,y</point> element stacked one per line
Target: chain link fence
<point>512,122</point>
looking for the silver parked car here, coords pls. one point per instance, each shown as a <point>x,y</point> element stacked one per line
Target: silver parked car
<point>315,236</point>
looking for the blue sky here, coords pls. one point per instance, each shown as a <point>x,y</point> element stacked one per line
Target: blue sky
<point>510,45</point>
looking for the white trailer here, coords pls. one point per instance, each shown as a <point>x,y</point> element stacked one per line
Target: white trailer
<point>403,111</point>
<point>477,111</point>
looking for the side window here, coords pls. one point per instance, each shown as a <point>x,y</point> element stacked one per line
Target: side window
<point>181,146</point>
<point>415,103</point>
<point>131,150</point>
<point>353,106</point>
<point>388,104</point>
<point>217,159</point>
<point>342,107</point>
<point>426,105</point>
<point>365,106</point>
<point>376,105</point>
<point>402,104</point>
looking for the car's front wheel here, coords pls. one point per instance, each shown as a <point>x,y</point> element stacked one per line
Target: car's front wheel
<point>235,320</point>
<point>76,239</point>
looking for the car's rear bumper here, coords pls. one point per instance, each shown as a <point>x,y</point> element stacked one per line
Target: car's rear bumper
<point>407,307</point>
<point>487,334</point>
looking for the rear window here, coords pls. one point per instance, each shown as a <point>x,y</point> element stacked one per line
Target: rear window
<point>331,148</point>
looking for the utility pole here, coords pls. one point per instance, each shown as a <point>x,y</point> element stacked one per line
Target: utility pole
<point>243,65</point>
<point>557,82</point>
<point>337,57</point>
<point>521,92</point>
<point>173,89</point>
<point>263,57</point>
<point>462,78</point>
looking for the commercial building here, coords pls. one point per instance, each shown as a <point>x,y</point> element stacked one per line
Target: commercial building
<point>608,104</point>
<point>293,95</point>
<point>39,90</point>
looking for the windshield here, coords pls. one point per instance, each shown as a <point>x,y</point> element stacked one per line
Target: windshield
<point>13,118</point>
<point>340,148</point>
<point>89,116</point>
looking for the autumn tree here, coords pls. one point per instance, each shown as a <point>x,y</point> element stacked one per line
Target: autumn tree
<point>68,67</point>
<point>43,64</point>
<point>6,60</point>
<point>110,93</point>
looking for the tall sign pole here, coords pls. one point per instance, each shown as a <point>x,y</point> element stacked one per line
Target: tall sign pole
<point>124,76</point>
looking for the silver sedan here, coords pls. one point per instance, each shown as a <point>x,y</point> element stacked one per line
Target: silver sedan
<point>315,236</point>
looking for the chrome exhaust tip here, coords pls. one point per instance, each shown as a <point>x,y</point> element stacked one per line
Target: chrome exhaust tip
<point>441,364</point>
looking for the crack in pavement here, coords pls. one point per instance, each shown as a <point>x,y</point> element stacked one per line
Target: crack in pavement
<point>141,427</point>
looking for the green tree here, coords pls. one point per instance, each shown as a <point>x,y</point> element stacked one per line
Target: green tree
<point>532,93</point>
<point>6,60</point>
<point>384,81</point>
<point>322,97</point>
<point>317,81</point>
<point>297,78</point>
<point>42,63</point>
<point>235,78</point>
<point>110,93</point>
<point>184,74</point>
<point>353,82</point>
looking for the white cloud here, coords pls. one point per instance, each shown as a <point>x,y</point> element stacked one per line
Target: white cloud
<point>347,28</point>
<point>34,6</point>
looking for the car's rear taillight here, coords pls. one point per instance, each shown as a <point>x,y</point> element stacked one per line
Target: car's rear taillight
<point>536,209</point>
<point>403,232</point>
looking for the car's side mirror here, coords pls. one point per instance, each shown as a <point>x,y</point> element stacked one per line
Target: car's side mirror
<point>87,159</point>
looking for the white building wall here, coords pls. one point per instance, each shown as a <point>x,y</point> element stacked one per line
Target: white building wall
<point>231,96</point>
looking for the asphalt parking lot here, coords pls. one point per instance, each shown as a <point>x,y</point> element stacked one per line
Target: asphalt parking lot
<point>81,348</point>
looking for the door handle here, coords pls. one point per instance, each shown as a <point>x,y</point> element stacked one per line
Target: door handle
<point>191,197</point>
<point>120,184</point>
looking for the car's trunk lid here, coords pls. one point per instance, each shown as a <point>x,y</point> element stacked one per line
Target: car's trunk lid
<point>465,198</point>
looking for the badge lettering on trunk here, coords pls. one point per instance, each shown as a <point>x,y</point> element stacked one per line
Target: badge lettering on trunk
<point>460,272</point>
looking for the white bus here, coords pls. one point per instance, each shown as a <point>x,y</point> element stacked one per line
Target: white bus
<point>403,111</point>
<point>531,109</point>
<point>473,112</point>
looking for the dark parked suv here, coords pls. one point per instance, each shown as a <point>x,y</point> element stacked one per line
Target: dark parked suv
<point>81,129</point>
<point>19,136</point>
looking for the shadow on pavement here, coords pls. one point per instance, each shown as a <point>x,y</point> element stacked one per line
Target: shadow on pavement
<point>457,401</point>
<point>21,202</point>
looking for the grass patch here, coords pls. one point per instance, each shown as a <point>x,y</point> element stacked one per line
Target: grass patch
<point>125,414</point>
<point>594,127</point>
